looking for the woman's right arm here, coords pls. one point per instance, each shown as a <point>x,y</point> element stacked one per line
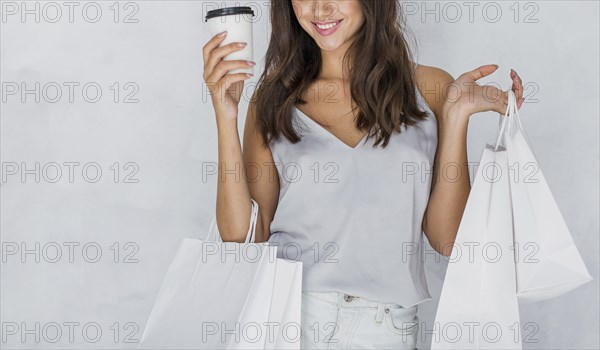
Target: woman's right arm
<point>241,174</point>
<point>258,180</point>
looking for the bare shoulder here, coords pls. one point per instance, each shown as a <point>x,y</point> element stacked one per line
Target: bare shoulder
<point>432,83</point>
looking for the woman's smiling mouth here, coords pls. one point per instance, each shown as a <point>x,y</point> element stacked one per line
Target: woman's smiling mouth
<point>326,28</point>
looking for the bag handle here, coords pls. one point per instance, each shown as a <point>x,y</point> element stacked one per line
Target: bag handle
<point>512,116</point>
<point>250,236</point>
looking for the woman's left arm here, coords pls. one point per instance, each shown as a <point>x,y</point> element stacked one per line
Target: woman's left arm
<point>460,99</point>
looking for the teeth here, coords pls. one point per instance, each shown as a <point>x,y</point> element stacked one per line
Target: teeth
<point>327,26</point>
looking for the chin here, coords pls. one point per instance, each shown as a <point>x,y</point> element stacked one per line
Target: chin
<point>329,47</point>
<point>327,44</point>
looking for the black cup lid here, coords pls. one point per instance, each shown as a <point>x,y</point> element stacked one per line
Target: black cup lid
<point>239,10</point>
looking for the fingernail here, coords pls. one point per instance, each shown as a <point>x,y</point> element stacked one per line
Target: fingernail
<point>241,44</point>
<point>222,34</point>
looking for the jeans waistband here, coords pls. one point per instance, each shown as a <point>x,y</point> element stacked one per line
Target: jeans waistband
<point>343,300</point>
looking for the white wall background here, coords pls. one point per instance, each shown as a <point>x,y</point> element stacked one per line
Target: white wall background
<point>169,135</point>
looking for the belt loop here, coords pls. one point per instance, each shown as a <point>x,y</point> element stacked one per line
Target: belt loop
<point>379,317</point>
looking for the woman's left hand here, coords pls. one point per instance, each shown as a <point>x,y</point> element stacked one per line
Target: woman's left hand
<point>465,97</point>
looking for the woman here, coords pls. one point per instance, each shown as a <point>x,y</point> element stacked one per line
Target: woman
<point>353,195</point>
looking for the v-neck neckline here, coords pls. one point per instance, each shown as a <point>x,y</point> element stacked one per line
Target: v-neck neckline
<point>319,126</point>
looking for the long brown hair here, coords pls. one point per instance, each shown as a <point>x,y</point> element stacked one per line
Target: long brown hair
<point>381,82</point>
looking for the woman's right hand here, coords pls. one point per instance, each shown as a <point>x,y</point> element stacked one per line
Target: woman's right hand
<point>225,89</point>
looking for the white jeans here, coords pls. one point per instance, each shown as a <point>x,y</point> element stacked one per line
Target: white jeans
<point>333,320</point>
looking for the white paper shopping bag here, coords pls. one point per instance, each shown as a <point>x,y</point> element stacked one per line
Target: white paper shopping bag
<point>478,306</point>
<point>286,305</point>
<point>227,295</point>
<point>548,262</point>
<point>283,311</point>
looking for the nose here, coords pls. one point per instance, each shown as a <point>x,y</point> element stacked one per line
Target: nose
<point>323,9</point>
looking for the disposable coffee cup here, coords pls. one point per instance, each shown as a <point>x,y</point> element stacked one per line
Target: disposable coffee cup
<point>237,21</point>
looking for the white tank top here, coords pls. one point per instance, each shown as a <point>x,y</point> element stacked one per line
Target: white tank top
<point>353,215</point>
